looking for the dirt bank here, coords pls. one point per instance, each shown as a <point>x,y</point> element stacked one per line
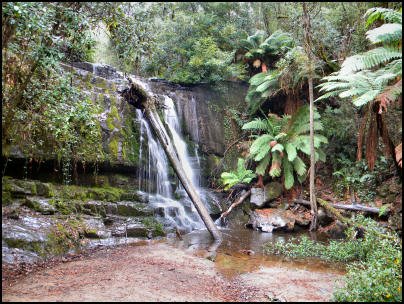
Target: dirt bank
<point>161,272</point>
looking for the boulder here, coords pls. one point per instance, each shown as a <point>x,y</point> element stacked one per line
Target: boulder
<point>39,204</point>
<point>269,219</point>
<point>259,197</point>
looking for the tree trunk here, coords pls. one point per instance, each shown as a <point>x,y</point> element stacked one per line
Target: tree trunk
<point>355,207</point>
<point>148,103</point>
<point>313,202</point>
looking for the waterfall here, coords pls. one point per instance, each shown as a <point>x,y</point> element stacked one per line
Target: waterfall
<point>153,173</point>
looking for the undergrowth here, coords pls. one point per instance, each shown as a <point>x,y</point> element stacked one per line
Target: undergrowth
<point>374,269</point>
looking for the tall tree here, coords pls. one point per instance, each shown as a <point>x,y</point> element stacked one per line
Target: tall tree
<point>307,46</point>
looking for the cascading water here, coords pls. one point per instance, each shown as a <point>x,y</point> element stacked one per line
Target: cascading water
<point>153,174</point>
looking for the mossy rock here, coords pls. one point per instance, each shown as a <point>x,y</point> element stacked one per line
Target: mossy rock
<point>18,188</point>
<point>154,226</point>
<point>35,246</point>
<point>64,207</point>
<point>64,237</point>
<point>45,189</point>
<point>28,186</point>
<point>40,205</point>
<point>273,190</point>
<point>133,209</point>
<point>109,194</point>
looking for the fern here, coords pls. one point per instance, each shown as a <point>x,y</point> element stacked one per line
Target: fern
<point>387,33</point>
<point>290,136</point>
<point>378,13</point>
<point>241,175</point>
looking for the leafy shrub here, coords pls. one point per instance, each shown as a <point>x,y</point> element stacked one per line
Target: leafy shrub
<point>375,272</point>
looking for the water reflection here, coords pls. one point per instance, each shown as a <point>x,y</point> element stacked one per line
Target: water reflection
<point>241,251</point>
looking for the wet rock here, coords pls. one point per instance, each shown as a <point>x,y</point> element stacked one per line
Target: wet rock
<point>257,197</point>
<point>336,230</point>
<point>95,228</point>
<point>28,234</point>
<point>133,209</point>
<point>39,204</point>
<point>17,256</point>
<point>268,220</point>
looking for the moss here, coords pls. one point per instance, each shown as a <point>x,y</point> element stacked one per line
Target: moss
<point>35,246</point>
<point>45,189</point>
<point>64,237</point>
<point>109,194</point>
<point>113,148</point>
<point>63,207</point>
<point>113,119</point>
<point>154,226</point>
<point>6,198</point>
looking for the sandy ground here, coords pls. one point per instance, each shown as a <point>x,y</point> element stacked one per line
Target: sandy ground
<point>160,272</point>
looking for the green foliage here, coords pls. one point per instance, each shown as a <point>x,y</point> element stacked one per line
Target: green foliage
<point>356,80</point>
<point>278,142</point>
<point>355,175</point>
<point>374,274</point>
<point>241,175</point>
<point>42,113</point>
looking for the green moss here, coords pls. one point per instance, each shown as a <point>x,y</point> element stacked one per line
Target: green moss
<point>63,207</point>
<point>5,198</point>
<point>113,119</point>
<point>64,237</point>
<point>113,148</point>
<point>36,246</point>
<point>45,189</point>
<point>154,226</point>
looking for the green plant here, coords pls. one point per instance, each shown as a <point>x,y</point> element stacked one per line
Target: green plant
<point>372,80</point>
<point>241,175</point>
<point>374,272</point>
<point>280,141</point>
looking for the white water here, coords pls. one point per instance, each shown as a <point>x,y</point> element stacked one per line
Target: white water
<point>153,173</point>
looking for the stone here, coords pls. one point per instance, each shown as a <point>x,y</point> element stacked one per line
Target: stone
<point>259,197</point>
<point>44,189</point>
<point>273,190</point>
<point>95,228</point>
<point>39,204</point>
<point>270,219</point>
<point>133,209</point>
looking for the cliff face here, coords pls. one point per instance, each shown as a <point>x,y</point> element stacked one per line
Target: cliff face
<point>205,112</point>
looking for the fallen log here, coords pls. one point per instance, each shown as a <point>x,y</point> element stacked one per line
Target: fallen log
<point>236,203</point>
<point>353,207</point>
<point>138,96</point>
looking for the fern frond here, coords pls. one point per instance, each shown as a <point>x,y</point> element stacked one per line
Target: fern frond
<point>256,124</point>
<point>259,143</point>
<point>369,60</point>
<point>390,33</point>
<point>378,13</point>
<point>299,166</point>
<point>263,164</point>
<point>288,173</point>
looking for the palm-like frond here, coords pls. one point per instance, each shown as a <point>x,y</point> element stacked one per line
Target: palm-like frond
<point>285,138</point>
<point>279,42</point>
<point>369,60</point>
<point>389,33</point>
<point>384,14</point>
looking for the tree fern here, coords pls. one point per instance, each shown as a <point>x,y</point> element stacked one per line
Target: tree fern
<point>384,14</point>
<point>283,139</point>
